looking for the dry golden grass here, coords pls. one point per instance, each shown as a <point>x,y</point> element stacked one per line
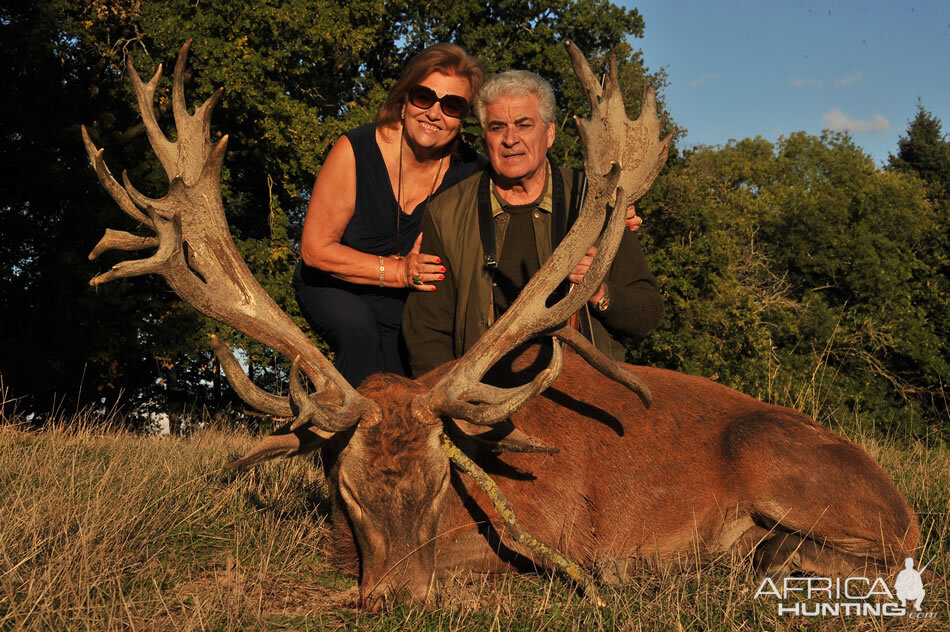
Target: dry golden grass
<point>106,530</point>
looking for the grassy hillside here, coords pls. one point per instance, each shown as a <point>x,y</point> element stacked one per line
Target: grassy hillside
<point>105,530</point>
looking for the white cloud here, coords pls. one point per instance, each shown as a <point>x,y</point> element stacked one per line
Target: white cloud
<point>698,82</point>
<point>835,119</point>
<point>850,79</point>
<point>796,82</point>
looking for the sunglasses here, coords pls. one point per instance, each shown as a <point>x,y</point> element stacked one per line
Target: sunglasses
<point>452,104</point>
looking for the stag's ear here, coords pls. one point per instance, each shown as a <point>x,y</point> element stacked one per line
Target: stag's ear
<point>499,438</point>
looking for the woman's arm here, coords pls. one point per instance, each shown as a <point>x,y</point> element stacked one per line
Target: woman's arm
<point>331,208</point>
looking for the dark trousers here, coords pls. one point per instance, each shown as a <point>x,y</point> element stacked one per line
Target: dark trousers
<point>360,323</point>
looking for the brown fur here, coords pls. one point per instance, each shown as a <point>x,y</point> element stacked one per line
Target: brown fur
<point>705,469</point>
<point>393,443</point>
<point>694,471</point>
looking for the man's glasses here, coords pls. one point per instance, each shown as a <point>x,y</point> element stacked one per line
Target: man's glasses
<point>452,104</point>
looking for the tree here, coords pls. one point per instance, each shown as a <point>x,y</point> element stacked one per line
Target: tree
<point>52,335</point>
<point>925,151</point>
<point>798,273</point>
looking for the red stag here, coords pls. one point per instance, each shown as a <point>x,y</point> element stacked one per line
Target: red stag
<point>702,467</point>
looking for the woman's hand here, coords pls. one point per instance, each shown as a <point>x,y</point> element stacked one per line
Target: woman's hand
<point>421,270</point>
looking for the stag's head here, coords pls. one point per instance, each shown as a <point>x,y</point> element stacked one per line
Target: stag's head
<point>392,475</point>
<point>392,480</point>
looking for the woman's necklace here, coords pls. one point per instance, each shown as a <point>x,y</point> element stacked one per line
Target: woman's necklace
<point>399,189</point>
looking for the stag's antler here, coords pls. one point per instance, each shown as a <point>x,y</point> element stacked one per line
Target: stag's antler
<point>196,255</point>
<point>621,159</point>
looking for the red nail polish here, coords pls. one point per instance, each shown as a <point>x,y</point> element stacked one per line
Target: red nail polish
<point>441,276</point>
<point>443,269</point>
<point>438,260</point>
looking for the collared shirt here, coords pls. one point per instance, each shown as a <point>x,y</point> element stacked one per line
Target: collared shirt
<point>546,203</point>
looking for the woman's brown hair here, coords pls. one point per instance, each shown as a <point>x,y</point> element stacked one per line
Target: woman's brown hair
<point>444,58</point>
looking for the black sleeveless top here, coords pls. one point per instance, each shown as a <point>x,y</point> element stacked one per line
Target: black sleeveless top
<point>372,228</point>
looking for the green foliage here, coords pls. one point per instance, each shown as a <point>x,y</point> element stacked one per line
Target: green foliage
<point>798,273</point>
<point>925,152</point>
<point>55,331</point>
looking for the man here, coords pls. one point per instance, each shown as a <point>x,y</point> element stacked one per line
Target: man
<point>493,230</point>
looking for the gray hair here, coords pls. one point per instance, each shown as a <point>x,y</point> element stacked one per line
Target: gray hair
<point>516,83</point>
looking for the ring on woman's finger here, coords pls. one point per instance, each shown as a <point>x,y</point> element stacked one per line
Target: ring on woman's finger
<point>416,279</point>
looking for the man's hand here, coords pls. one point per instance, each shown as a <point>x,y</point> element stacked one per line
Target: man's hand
<point>633,220</point>
<point>580,270</point>
<point>577,274</point>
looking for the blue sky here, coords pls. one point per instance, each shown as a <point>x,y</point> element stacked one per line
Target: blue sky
<point>741,69</point>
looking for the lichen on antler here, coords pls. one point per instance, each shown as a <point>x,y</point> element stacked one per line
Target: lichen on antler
<point>544,551</point>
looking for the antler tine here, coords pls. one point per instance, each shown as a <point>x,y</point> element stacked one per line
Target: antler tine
<point>643,158</point>
<point>310,410</point>
<point>179,108</point>
<point>164,149</point>
<point>210,274</point>
<point>121,240</point>
<point>619,156</point>
<point>602,363</point>
<point>109,183</point>
<point>255,397</point>
<point>204,112</point>
<point>495,404</point>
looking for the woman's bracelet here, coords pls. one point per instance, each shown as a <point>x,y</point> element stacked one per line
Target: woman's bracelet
<point>382,268</point>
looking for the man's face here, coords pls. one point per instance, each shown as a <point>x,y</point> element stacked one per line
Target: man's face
<point>516,139</point>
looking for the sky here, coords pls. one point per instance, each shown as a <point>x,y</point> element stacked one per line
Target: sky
<point>740,69</point>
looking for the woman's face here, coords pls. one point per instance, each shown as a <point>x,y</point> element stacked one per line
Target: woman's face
<point>431,128</point>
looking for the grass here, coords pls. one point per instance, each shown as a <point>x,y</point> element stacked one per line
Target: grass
<point>106,530</point>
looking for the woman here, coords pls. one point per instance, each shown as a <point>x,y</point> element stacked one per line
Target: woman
<point>360,245</point>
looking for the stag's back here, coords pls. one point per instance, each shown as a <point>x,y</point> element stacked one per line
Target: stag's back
<point>697,468</point>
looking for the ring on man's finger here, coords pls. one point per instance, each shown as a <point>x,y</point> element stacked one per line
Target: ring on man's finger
<point>416,279</point>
